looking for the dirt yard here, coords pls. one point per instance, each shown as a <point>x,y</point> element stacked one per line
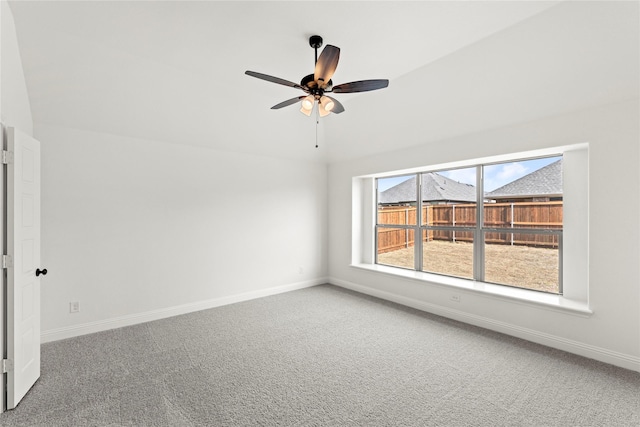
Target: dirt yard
<point>521,266</point>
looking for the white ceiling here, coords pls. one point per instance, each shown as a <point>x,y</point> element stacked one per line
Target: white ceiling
<point>174,71</point>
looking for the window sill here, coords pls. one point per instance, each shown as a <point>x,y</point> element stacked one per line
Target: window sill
<point>523,296</point>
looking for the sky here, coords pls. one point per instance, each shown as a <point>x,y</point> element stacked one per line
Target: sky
<point>495,176</point>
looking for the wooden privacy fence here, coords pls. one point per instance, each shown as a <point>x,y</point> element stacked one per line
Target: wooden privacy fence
<point>533,215</point>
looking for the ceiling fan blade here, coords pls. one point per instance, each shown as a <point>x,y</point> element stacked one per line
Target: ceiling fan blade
<point>287,102</point>
<point>326,65</point>
<point>338,107</point>
<point>272,79</point>
<point>361,86</point>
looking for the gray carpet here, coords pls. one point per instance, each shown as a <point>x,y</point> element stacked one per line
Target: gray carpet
<point>321,356</point>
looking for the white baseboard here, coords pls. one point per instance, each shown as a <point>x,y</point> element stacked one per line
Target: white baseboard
<point>592,352</point>
<point>133,319</point>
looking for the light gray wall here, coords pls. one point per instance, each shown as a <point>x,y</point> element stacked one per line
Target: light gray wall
<point>573,56</point>
<point>14,101</point>
<point>136,229</point>
<point>612,333</point>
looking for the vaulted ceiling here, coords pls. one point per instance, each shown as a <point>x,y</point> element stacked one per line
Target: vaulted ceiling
<point>174,71</point>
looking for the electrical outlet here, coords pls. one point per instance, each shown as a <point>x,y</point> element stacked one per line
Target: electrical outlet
<point>455,298</point>
<point>74,307</point>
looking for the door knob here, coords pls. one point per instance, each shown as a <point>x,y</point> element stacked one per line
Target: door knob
<point>39,272</point>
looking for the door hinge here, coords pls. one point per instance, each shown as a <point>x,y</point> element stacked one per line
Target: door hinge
<point>7,365</point>
<point>7,261</point>
<point>7,157</point>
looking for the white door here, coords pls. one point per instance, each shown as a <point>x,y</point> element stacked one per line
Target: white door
<point>23,246</point>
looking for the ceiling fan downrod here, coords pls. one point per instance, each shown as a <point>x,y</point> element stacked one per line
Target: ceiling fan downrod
<point>316,43</point>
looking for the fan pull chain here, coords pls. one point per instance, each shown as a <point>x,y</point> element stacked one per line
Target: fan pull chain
<point>317,123</point>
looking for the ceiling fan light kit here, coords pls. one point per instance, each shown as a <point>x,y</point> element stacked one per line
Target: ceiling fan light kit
<point>307,102</point>
<point>327,103</point>
<point>317,84</point>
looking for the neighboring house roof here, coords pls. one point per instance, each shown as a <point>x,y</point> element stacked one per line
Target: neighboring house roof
<point>435,187</point>
<point>546,181</point>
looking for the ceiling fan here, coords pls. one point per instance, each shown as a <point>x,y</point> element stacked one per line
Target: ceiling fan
<point>319,83</point>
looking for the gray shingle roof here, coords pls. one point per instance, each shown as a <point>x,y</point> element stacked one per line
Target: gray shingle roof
<point>435,187</point>
<point>546,181</point>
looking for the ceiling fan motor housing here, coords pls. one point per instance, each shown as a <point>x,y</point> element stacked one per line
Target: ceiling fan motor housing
<point>310,83</point>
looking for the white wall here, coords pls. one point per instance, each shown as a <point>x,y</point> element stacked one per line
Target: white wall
<point>14,101</point>
<point>612,333</point>
<point>573,56</point>
<point>136,230</point>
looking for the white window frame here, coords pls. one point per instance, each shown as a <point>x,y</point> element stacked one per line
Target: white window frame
<point>479,230</point>
<point>575,241</point>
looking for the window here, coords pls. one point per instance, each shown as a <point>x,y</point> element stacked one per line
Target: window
<point>500,223</point>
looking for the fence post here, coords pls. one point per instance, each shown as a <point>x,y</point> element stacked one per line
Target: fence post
<point>406,230</point>
<point>453,220</point>
<point>512,223</point>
